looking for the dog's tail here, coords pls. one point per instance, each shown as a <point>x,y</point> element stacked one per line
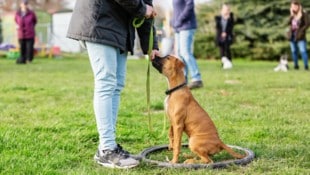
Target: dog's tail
<point>232,152</point>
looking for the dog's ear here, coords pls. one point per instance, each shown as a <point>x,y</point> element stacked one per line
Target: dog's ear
<point>179,63</point>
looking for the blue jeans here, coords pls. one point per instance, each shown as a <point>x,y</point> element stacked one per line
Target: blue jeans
<point>302,46</point>
<point>109,69</point>
<point>185,42</point>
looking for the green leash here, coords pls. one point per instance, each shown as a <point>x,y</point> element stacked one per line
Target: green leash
<point>137,22</point>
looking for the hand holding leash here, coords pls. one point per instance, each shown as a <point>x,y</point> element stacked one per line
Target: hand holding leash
<point>150,12</point>
<point>153,54</point>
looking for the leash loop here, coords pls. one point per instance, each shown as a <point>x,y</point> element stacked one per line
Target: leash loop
<point>137,22</point>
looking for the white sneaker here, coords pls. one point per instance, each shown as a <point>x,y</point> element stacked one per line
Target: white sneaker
<point>226,63</point>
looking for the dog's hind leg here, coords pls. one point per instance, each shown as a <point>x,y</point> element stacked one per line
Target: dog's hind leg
<point>200,149</point>
<point>190,158</point>
<point>203,154</point>
<point>203,159</point>
<point>191,161</point>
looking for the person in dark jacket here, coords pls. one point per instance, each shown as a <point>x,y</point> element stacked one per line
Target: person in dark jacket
<point>299,23</point>
<point>105,28</point>
<point>25,20</point>
<point>224,35</point>
<point>184,24</point>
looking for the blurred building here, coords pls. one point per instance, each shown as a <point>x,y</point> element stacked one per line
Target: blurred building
<point>59,26</point>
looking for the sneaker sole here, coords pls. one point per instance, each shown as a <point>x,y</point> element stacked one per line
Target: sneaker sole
<point>196,87</point>
<point>112,165</point>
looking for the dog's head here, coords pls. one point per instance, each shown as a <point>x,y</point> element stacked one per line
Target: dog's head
<point>168,65</point>
<point>283,65</point>
<point>283,59</point>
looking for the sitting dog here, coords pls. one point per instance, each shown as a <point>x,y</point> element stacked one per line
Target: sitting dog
<point>283,65</point>
<point>185,114</point>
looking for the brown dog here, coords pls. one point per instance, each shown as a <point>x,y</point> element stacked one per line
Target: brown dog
<point>187,115</point>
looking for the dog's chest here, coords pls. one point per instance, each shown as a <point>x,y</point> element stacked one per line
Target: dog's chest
<point>166,103</point>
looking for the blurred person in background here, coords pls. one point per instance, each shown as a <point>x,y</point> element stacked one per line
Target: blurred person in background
<point>224,35</point>
<point>25,20</point>
<point>167,42</point>
<point>184,24</point>
<point>299,23</point>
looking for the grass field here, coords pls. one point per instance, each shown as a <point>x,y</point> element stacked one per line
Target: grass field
<point>47,124</point>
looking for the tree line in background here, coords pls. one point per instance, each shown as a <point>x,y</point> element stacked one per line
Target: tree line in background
<point>48,6</point>
<point>260,28</point>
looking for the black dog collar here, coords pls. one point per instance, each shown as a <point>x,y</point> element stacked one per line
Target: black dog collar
<point>169,91</point>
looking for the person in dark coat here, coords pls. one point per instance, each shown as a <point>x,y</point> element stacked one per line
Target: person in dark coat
<point>105,28</point>
<point>224,34</point>
<point>25,20</point>
<point>299,23</point>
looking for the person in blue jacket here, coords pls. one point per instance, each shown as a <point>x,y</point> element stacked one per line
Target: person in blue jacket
<point>184,24</point>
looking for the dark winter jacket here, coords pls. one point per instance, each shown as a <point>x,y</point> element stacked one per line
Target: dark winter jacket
<point>110,22</point>
<point>302,28</point>
<point>26,24</point>
<point>184,17</point>
<point>228,30</point>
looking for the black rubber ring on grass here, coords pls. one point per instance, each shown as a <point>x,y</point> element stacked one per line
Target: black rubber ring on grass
<point>250,156</point>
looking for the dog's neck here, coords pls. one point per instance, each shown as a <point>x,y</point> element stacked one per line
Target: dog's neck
<point>169,91</point>
<point>175,84</point>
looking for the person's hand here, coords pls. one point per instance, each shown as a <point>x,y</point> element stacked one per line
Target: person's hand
<point>223,35</point>
<point>150,12</point>
<point>154,53</point>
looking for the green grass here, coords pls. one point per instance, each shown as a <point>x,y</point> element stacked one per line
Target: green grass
<point>47,124</point>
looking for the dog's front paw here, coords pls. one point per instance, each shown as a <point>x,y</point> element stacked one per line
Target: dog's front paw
<point>170,148</point>
<point>173,161</point>
<point>190,161</point>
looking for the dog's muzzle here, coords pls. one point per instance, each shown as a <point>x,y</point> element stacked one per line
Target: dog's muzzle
<point>157,63</point>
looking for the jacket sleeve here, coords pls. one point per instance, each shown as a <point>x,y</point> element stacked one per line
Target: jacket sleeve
<point>306,22</point>
<point>289,32</point>
<point>231,28</point>
<point>301,32</point>
<point>144,35</point>
<point>35,20</point>
<point>218,29</point>
<point>136,8</point>
<point>15,18</point>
